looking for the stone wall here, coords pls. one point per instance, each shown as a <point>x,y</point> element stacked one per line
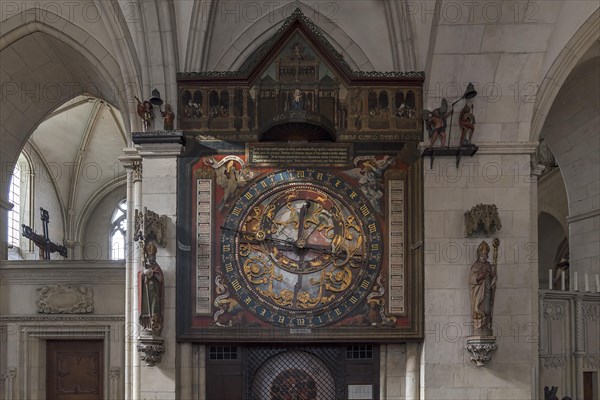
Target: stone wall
<point>447,372</point>
<point>37,304</point>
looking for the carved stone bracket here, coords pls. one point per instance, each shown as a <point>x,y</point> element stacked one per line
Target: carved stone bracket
<point>482,219</point>
<point>65,299</point>
<point>149,226</point>
<point>480,348</point>
<point>152,349</point>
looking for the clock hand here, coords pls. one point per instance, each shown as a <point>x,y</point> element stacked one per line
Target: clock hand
<point>300,240</point>
<point>260,237</point>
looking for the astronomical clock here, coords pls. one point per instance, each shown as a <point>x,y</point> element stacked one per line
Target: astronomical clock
<point>300,199</point>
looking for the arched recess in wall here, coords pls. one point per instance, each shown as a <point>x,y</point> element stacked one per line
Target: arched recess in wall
<point>34,88</point>
<point>551,241</point>
<point>112,187</point>
<point>265,27</point>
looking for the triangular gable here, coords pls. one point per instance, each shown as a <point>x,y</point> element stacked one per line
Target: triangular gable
<point>296,23</point>
<point>297,82</point>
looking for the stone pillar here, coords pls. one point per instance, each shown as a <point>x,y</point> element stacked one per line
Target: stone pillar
<point>412,370</point>
<point>132,162</point>
<point>498,174</point>
<point>579,347</point>
<point>159,194</point>
<point>5,207</point>
<point>392,371</point>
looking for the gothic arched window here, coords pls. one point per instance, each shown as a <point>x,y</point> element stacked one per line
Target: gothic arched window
<point>14,215</point>
<point>118,230</point>
<point>20,195</point>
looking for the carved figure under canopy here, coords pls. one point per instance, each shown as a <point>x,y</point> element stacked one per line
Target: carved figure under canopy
<point>482,284</point>
<point>151,290</point>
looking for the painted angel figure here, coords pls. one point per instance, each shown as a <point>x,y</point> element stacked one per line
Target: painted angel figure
<point>369,173</point>
<point>229,177</point>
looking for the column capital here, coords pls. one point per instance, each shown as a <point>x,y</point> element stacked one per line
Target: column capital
<point>132,160</point>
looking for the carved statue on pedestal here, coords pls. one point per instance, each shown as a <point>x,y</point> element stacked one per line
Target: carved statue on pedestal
<point>151,289</point>
<point>482,284</point>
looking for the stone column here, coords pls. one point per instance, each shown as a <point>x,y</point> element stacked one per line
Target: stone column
<point>159,194</point>
<point>412,370</point>
<point>5,207</point>
<point>132,162</point>
<point>579,347</point>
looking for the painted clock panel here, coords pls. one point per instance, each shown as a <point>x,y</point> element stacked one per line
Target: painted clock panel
<point>301,248</point>
<point>301,253</point>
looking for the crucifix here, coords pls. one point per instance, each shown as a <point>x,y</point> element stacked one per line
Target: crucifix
<point>43,241</point>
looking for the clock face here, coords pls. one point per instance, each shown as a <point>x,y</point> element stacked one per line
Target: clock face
<point>301,248</point>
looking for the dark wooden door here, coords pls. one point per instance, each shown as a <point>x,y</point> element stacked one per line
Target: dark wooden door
<point>74,370</point>
<point>588,386</point>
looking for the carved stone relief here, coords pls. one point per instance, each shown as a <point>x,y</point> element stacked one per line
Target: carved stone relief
<point>65,299</point>
<point>554,361</point>
<point>591,361</point>
<point>591,312</point>
<point>482,219</point>
<point>553,311</point>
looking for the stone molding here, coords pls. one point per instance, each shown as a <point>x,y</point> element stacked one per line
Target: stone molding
<point>65,299</point>
<point>160,150</point>
<point>9,318</point>
<point>511,148</point>
<point>49,272</point>
<point>7,205</point>
<point>582,216</point>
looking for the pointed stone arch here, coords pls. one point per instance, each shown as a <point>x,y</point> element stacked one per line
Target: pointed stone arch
<point>563,65</point>
<point>25,107</point>
<point>265,27</point>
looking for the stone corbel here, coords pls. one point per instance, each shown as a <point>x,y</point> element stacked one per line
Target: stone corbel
<point>152,349</point>
<point>480,348</point>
